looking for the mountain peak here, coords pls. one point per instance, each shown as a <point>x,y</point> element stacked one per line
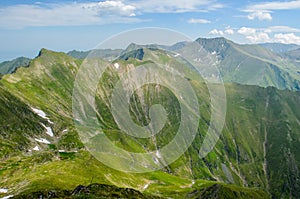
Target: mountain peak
<point>43,51</point>
<point>133,53</point>
<point>133,47</point>
<point>216,39</point>
<point>215,43</point>
<point>218,45</point>
<point>53,55</point>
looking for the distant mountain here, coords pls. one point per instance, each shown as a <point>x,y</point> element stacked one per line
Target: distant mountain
<point>294,54</point>
<point>11,66</point>
<point>243,64</point>
<point>279,47</point>
<point>252,64</point>
<point>108,54</point>
<point>256,155</point>
<point>173,47</point>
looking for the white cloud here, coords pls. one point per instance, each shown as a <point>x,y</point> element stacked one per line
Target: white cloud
<point>276,34</point>
<point>281,29</point>
<point>289,38</point>
<point>276,5</point>
<point>247,31</point>
<point>229,31</point>
<point>113,7</point>
<point>216,32</point>
<point>263,35</point>
<point>93,13</point>
<point>260,37</point>
<point>201,21</point>
<point>260,15</point>
<point>253,36</point>
<point>19,16</point>
<point>261,11</point>
<point>176,6</point>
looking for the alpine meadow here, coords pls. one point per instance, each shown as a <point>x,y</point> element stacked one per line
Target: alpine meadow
<point>212,117</point>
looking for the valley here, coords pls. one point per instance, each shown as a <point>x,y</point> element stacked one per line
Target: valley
<point>256,156</point>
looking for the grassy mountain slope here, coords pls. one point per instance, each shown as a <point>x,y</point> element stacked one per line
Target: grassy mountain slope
<point>19,125</point>
<point>90,191</point>
<point>261,129</point>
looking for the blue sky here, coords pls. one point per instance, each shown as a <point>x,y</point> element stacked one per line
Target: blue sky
<point>28,26</point>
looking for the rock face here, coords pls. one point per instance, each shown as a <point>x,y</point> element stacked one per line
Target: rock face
<point>134,54</point>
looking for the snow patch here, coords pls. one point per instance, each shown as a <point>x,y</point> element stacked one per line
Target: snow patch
<point>65,130</point>
<point>42,114</point>
<point>214,52</point>
<point>42,140</point>
<point>156,160</point>
<point>158,154</point>
<point>6,197</point>
<point>177,54</point>
<point>50,122</point>
<point>116,65</point>
<point>197,60</point>
<point>36,148</point>
<point>49,130</point>
<point>146,186</point>
<point>2,190</point>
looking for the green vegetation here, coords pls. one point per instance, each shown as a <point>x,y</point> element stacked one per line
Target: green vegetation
<point>19,125</point>
<point>252,64</point>
<point>256,155</point>
<point>93,191</point>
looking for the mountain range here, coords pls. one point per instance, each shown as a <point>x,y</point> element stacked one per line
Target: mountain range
<point>257,155</point>
<point>268,64</point>
<point>280,47</point>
